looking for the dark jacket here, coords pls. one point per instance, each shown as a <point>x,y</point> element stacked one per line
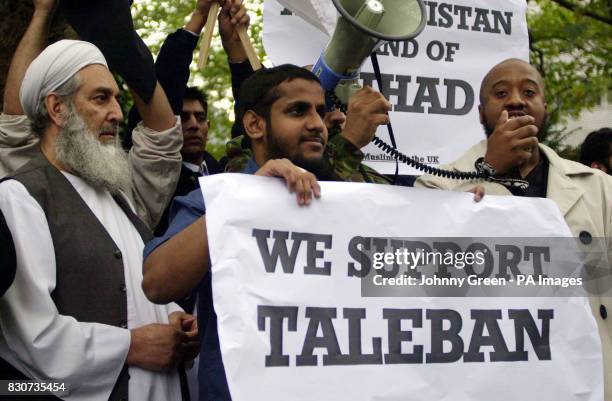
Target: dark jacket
<point>7,257</point>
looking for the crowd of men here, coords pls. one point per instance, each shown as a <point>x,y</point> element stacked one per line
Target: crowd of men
<point>88,295</point>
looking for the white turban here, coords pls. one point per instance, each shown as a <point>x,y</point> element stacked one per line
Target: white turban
<point>54,67</point>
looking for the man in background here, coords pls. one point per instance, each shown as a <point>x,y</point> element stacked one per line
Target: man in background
<point>194,119</point>
<point>596,150</point>
<point>197,162</point>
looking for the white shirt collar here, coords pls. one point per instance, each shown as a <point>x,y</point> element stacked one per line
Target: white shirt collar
<point>203,169</point>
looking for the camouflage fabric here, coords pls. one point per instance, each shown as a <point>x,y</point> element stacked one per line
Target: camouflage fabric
<point>343,161</point>
<point>237,155</point>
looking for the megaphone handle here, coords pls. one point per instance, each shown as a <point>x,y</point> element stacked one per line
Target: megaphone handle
<point>248,47</point>
<point>208,32</point>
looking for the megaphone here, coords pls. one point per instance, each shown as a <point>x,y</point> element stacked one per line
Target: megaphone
<point>362,26</point>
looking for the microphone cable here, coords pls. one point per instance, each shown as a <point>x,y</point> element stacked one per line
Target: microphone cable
<point>392,151</point>
<point>399,156</point>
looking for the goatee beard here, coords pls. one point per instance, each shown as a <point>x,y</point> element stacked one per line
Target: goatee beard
<point>103,165</point>
<point>278,150</point>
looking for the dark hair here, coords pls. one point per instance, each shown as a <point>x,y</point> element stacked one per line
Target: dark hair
<point>260,90</point>
<point>596,147</point>
<point>193,93</point>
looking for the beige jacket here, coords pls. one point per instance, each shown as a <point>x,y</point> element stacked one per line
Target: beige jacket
<point>155,162</point>
<point>584,196</point>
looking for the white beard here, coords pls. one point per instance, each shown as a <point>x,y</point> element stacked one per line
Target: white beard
<point>102,165</point>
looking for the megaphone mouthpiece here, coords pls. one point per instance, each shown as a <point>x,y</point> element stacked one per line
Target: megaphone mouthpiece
<point>370,14</point>
<point>374,5</point>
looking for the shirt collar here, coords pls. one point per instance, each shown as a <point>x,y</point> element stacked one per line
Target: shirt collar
<point>195,168</point>
<point>251,167</point>
<point>192,167</point>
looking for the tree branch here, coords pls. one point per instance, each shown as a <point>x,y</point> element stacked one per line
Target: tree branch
<point>538,52</point>
<point>581,10</point>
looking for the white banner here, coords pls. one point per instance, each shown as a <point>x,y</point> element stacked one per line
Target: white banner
<point>433,81</point>
<point>294,326</point>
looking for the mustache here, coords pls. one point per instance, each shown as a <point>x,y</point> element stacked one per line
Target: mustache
<point>101,164</point>
<point>314,135</point>
<point>112,127</point>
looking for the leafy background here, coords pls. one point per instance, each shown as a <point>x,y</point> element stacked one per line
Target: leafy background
<point>154,20</point>
<point>569,42</point>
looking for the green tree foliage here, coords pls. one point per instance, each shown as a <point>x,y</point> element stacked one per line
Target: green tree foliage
<point>570,45</point>
<point>154,20</point>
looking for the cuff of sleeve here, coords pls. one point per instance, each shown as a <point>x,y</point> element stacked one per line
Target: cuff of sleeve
<point>185,36</point>
<point>153,245</point>
<point>168,140</point>
<point>112,345</point>
<point>196,35</point>
<point>243,67</point>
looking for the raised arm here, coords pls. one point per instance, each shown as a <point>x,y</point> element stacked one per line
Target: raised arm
<point>367,110</point>
<point>30,46</point>
<point>198,17</point>
<point>17,143</point>
<point>172,63</point>
<point>233,15</point>
<point>155,158</point>
<point>176,54</point>
<point>157,114</point>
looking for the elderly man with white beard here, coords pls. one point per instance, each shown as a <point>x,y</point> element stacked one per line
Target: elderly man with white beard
<point>76,312</point>
<point>154,160</point>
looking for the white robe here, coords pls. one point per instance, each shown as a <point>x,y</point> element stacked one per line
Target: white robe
<point>45,345</point>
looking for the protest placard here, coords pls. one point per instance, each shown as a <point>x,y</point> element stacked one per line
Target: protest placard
<point>294,324</point>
